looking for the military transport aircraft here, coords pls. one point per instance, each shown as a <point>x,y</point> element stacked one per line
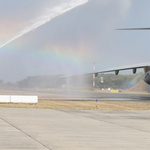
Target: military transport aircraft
<point>145,66</point>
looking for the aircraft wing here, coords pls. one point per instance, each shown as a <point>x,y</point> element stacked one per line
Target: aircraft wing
<point>145,66</point>
<point>133,67</point>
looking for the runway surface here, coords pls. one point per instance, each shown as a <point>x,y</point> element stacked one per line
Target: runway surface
<point>100,96</point>
<point>74,94</point>
<point>22,129</point>
<point>92,95</point>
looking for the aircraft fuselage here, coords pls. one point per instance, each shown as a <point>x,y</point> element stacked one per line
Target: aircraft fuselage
<point>147,77</point>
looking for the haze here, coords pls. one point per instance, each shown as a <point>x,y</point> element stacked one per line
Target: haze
<point>65,36</point>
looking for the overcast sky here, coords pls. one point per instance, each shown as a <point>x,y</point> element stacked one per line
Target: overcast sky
<point>46,37</point>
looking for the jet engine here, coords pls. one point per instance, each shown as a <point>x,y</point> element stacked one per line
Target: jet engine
<point>116,72</point>
<point>96,74</point>
<point>134,70</point>
<point>146,69</point>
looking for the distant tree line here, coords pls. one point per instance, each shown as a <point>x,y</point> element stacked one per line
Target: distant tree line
<point>109,81</point>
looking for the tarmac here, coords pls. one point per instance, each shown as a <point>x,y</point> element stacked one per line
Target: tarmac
<point>45,129</point>
<point>72,94</point>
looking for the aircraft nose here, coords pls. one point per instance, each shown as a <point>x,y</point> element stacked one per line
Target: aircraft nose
<point>147,78</point>
<point>147,75</point>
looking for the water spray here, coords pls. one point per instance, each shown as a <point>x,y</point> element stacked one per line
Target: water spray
<point>47,16</point>
<point>94,75</point>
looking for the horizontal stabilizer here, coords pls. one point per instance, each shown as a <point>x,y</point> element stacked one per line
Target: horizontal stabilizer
<point>134,29</point>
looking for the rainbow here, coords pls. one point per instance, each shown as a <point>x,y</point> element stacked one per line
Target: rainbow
<point>55,56</point>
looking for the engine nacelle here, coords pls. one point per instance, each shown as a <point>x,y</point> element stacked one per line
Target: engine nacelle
<point>96,74</point>
<point>147,78</point>
<point>146,69</point>
<point>134,70</point>
<point>116,72</point>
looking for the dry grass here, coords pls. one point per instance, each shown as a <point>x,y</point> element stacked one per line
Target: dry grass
<point>84,105</point>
